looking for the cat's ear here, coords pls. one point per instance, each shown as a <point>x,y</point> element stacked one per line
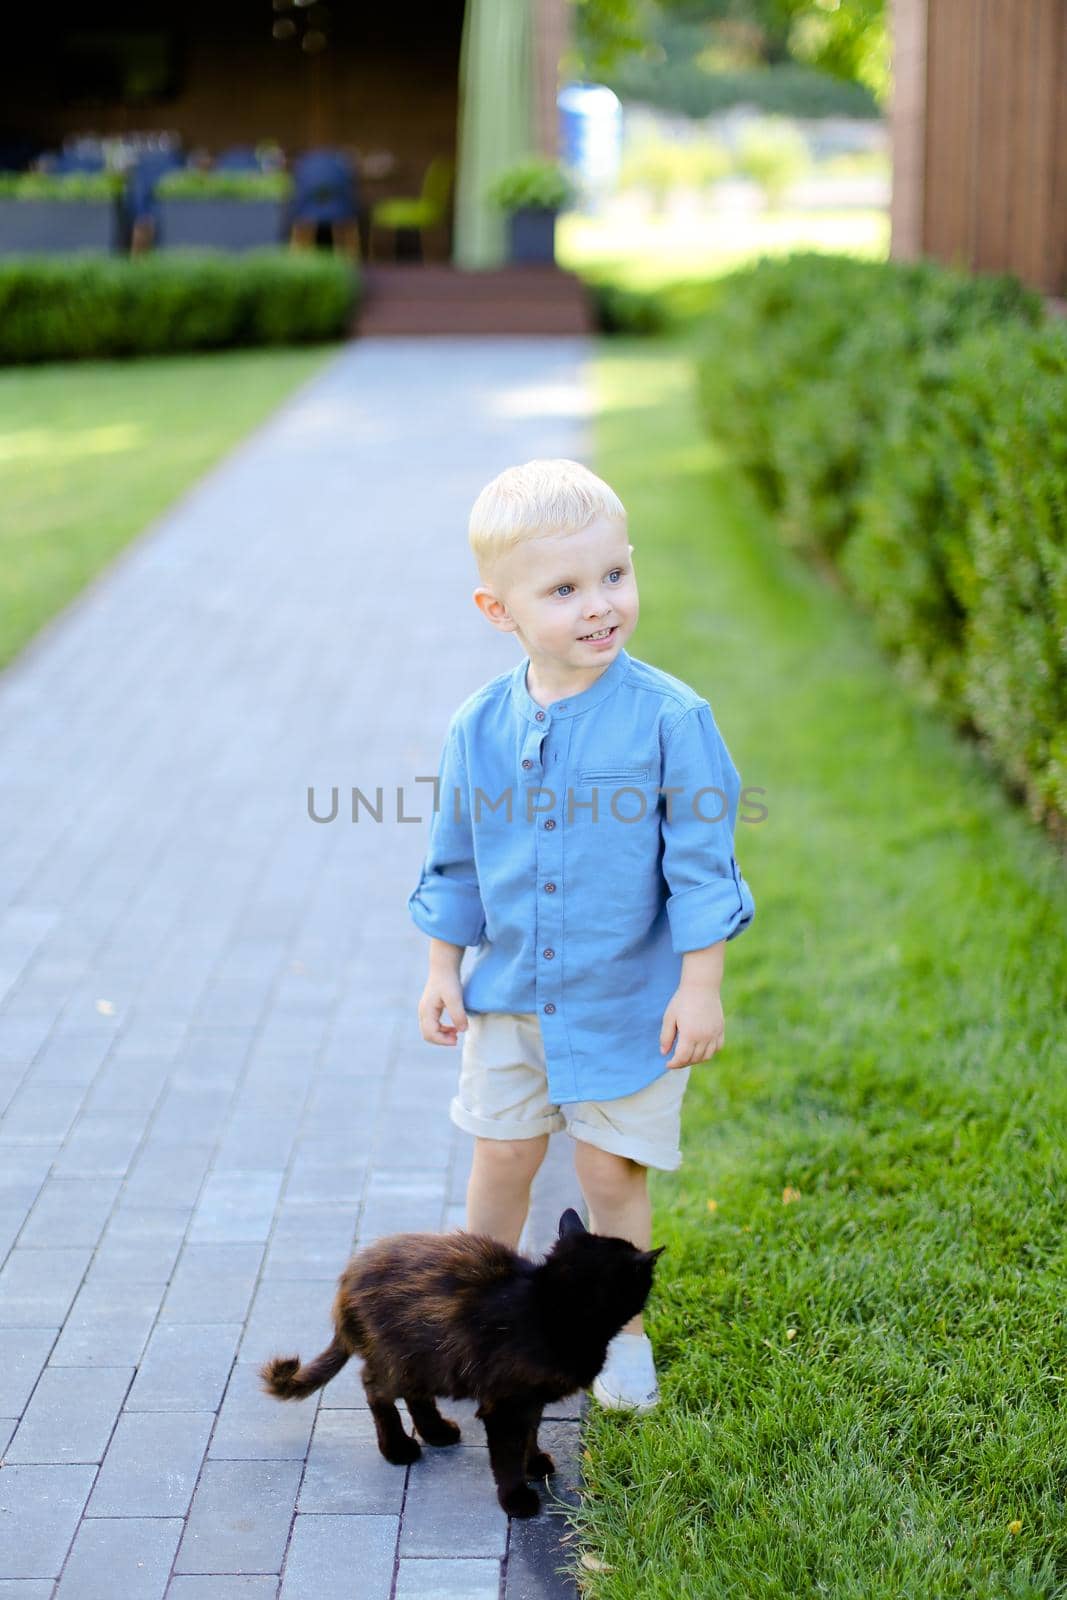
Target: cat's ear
<point>654,1255</point>
<point>571,1222</point>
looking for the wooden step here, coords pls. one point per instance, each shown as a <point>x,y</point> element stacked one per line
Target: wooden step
<point>412,298</point>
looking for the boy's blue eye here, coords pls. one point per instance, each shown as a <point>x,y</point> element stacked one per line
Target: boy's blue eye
<point>615,572</point>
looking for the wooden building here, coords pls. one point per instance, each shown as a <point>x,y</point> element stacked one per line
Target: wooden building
<point>394,85</point>
<point>979,135</point>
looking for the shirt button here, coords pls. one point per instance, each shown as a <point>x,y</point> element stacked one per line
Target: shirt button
<point>527,765</point>
<point>550,1006</point>
<point>550,824</point>
<point>550,888</point>
<point>540,716</point>
<point>548,954</point>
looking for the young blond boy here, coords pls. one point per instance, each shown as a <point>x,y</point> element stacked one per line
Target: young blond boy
<point>582,840</point>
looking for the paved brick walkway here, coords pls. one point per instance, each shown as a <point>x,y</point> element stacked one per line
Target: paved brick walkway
<point>211,1074</point>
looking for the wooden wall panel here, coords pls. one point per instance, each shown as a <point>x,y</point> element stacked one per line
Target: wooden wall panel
<point>995,191</point>
<point>907,21</point>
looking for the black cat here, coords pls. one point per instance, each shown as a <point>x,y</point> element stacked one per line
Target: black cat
<point>462,1315</point>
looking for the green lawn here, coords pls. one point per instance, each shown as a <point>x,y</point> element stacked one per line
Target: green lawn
<point>90,453</point>
<point>859,1317</point>
<point>653,251</point>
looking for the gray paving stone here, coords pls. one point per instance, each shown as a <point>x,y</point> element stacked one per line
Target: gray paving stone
<point>148,1035</point>
<point>451,1506</point>
<point>37,1287</point>
<point>71,1415</point>
<point>184,1112</point>
<point>102,1143</point>
<point>455,1578</point>
<point>39,1512</point>
<point>127,1085</point>
<point>127,1556</point>
<point>21,1037</point>
<point>311,1184</point>
<point>41,1111</point>
<point>311,1243</point>
<point>212,1283</point>
<point>151,1464</point>
<point>256,1140</point>
<point>7,1428</point>
<point>326,1553</point>
<point>10,1080</point>
<point>346,1472</point>
<point>23,1353</point>
<point>289,1318</point>
<point>236,1208</point>
<point>72,1209</point>
<point>108,1324</point>
<point>240,1517</point>
<point>346,1391</point>
<point>219,1588</point>
<point>75,1055</point>
<point>26,1588</point>
<point>168,1172</point>
<point>185,1367</point>
<point>11,1221</point>
<point>23,1170</point>
<point>540,1566</point>
<point>140,1244</point>
<point>254,1426</point>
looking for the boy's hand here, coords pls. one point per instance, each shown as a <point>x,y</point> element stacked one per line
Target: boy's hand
<point>443,992</point>
<point>695,1013</point>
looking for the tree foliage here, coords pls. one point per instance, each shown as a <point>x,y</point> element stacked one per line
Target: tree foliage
<point>847,38</point>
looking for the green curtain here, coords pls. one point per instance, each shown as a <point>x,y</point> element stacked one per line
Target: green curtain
<point>495,121</point>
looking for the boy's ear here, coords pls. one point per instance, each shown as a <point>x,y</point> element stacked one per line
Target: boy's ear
<point>571,1222</point>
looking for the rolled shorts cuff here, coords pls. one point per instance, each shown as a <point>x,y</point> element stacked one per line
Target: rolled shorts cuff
<point>498,1128</point>
<point>621,1144</point>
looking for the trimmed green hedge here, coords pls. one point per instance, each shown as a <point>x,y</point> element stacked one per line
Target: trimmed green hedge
<point>56,308</point>
<point>61,185</point>
<point>909,423</point>
<point>186,183</point>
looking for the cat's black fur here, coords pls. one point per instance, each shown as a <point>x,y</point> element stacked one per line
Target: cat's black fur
<point>462,1315</point>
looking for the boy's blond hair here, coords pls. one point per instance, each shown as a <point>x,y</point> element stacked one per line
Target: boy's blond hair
<point>542,496</point>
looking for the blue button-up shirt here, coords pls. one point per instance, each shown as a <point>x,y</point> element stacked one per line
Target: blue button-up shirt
<point>583,847</point>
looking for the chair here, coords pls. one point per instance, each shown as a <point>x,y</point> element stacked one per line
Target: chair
<point>83,160</point>
<point>325,191</point>
<point>239,158</point>
<point>418,212</point>
<point>141,206</point>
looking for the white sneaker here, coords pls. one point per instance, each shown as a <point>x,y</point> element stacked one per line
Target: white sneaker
<point>627,1380</point>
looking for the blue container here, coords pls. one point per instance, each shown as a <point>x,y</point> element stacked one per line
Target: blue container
<point>590,135</point>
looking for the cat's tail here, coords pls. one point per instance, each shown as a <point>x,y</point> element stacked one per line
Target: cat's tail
<point>285,1378</point>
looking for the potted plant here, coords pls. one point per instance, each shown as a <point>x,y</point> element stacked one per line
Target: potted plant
<point>532,192</point>
<point>48,211</point>
<point>222,210</point>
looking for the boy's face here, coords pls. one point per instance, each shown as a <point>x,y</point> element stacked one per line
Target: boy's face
<point>555,590</point>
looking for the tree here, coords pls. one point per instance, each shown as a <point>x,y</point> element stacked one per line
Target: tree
<point>847,38</point>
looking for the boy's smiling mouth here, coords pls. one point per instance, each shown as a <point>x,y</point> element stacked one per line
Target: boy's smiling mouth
<point>602,633</point>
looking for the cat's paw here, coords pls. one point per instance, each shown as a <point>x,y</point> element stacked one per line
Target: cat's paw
<point>521,1501</point>
<point>403,1451</point>
<point>443,1432</point>
<point>540,1464</point>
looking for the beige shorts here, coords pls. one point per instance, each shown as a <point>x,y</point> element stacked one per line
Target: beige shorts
<point>503,1094</point>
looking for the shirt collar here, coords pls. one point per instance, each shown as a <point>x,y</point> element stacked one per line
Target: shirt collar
<point>574,704</point>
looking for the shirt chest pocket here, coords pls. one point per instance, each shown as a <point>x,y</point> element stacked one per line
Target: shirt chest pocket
<point>613,774</point>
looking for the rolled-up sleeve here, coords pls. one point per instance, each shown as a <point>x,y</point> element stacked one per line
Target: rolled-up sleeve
<point>447,903</point>
<point>709,899</point>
